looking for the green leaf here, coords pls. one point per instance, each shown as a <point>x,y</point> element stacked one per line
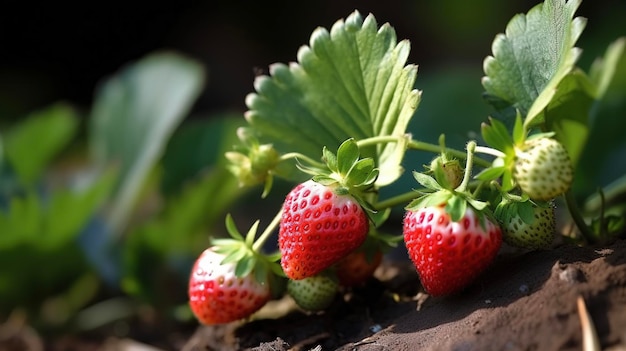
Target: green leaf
<point>519,132</point>
<point>597,164</point>
<point>245,266</point>
<point>331,159</point>
<point>476,204</point>
<point>69,210</point>
<point>198,142</point>
<point>508,183</point>
<point>526,211</point>
<point>231,228</point>
<point>133,116</point>
<point>56,220</point>
<point>347,155</point>
<point>497,135</point>
<point>456,208</point>
<point>21,221</point>
<point>606,69</point>
<point>361,172</point>
<point>568,114</point>
<point>251,235</point>
<point>491,173</point>
<point>435,199</point>
<point>426,181</point>
<point>235,255</point>
<point>351,82</point>
<point>31,145</point>
<point>535,53</point>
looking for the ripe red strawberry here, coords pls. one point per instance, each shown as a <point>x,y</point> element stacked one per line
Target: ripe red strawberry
<point>448,255</point>
<point>217,295</point>
<point>318,228</point>
<point>356,268</point>
<point>542,168</point>
<point>313,293</point>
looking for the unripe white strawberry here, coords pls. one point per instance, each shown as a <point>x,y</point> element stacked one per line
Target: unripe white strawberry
<point>542,168</point>
<point>536,232</point>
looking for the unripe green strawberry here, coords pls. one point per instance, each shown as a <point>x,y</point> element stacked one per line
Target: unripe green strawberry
<point>535,232</point>
<point>314,293</point>
<point>318,228</point>
<point>542,168</point>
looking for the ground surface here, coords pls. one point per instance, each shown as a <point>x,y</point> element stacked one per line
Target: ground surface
<point>526,301</point>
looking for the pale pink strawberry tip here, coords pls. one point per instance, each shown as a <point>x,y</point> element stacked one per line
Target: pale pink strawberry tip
<point>216,296</point>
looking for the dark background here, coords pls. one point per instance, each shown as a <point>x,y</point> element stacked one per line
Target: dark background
<point>54,51</point>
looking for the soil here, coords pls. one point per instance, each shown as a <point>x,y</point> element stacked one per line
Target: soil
<point>525,301</point>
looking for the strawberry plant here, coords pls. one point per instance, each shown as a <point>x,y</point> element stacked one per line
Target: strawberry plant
<point>351,90</point>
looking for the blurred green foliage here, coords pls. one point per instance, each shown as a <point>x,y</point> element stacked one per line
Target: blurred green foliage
<point>128,215</point>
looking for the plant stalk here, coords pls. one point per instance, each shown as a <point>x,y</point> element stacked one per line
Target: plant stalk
<point>258,244</point>
<point>471,147</point>
<point>577,217</point>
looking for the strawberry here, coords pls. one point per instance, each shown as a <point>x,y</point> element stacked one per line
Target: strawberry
<point>449,254</point>
<point>448,233</point>
<point>526,224</point>
<point>232,279</point>
<point>324,219</point>
<point>217,295</point>
<point>356,268</point>
<point>542,168</point>
<point>318,228</point>
<point>314,293</point>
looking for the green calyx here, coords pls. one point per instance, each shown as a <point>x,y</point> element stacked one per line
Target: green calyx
<point>455,200</point>
<point>447,172</point>
<point>245,252</point>
<point>346,172</point>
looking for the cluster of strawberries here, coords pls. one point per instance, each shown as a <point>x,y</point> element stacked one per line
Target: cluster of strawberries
<point>328,228</point>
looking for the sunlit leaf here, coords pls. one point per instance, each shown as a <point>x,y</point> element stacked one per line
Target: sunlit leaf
<point>351,82</point>
<point>533,55</point>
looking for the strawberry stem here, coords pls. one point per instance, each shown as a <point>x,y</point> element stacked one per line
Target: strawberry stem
<point>297,155</point>
<point>489,151</point>
<point>471,147</point>
<point>423,146</point>
<point>396,200</point>
<point>577,217</point>
<point>419,145</point>
<point>258,244</point>
<point>381,139</point>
